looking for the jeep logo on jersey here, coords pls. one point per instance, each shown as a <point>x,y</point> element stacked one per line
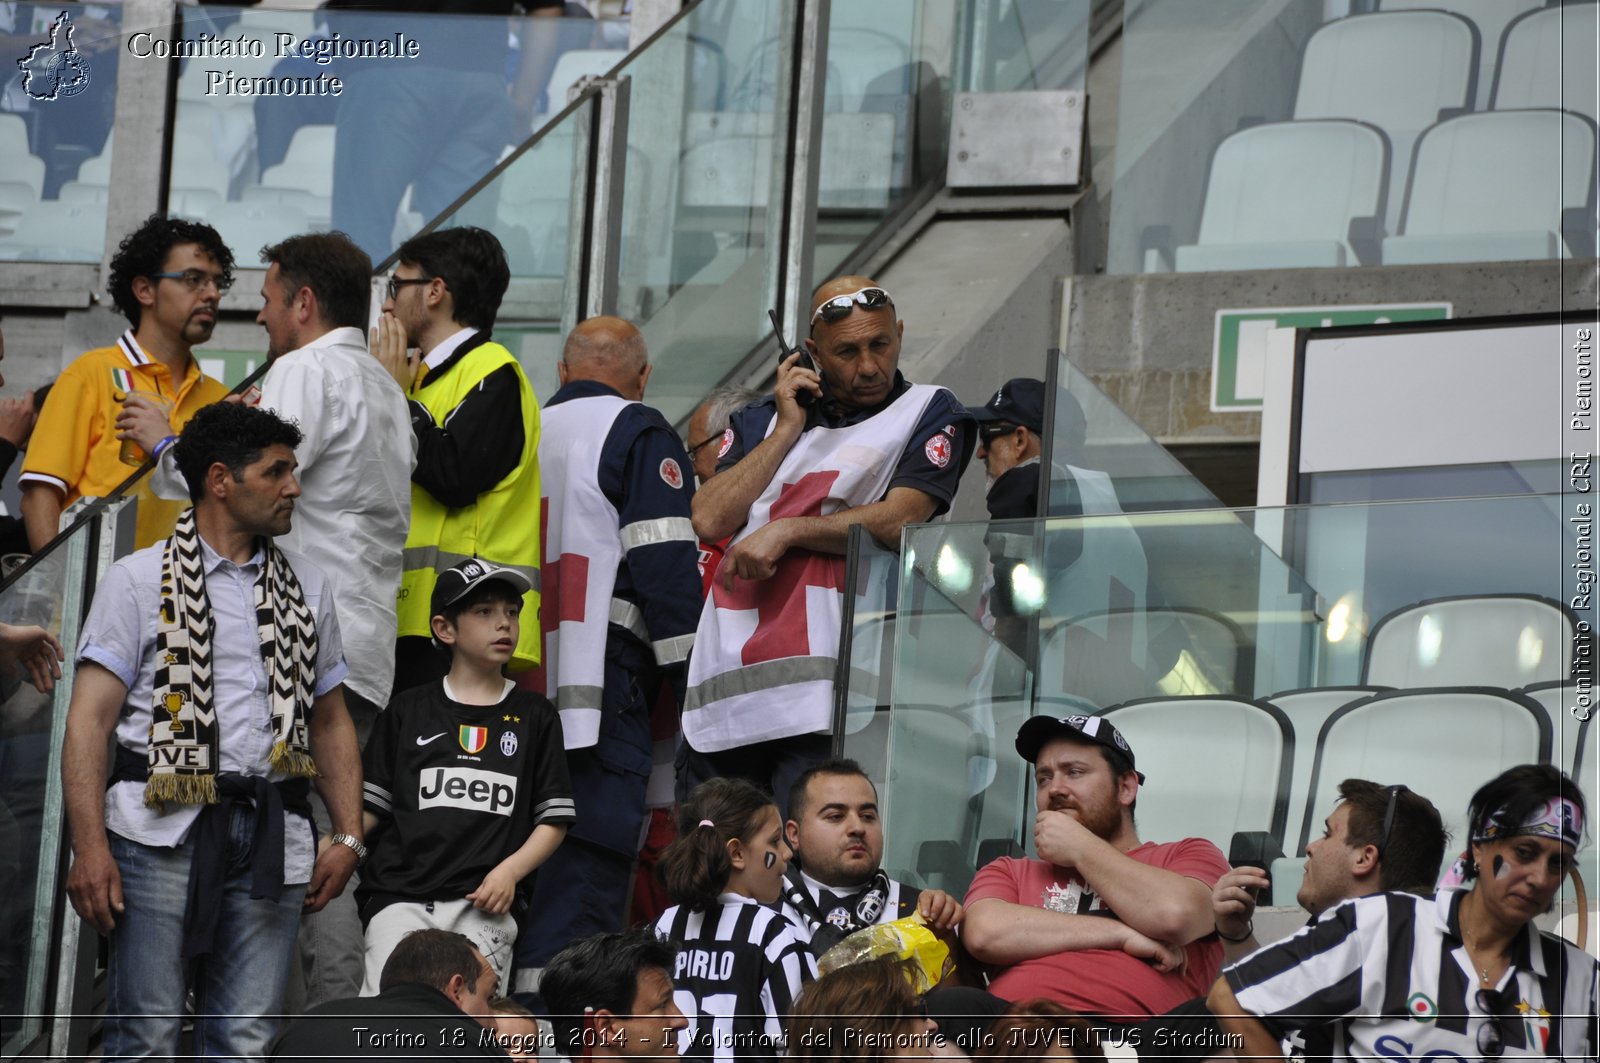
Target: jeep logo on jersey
<point>468,788</point>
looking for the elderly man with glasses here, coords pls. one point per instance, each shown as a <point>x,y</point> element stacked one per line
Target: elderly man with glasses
<point>167,278</point>
<point>844,439</point>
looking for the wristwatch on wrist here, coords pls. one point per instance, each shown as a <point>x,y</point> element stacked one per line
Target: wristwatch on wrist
<point>355,845</point>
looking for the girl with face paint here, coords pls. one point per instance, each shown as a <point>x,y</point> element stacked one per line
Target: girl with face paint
<point>740,965</point>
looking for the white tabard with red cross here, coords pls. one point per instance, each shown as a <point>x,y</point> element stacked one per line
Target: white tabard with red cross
<point>582,549</point>
<point>765,652</point>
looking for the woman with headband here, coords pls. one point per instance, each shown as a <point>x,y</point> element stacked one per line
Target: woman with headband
<point>1463,975</point>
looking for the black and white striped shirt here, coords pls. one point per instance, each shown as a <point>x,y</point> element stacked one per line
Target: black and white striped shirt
<point>1389,976</point>
<point>739,968</point>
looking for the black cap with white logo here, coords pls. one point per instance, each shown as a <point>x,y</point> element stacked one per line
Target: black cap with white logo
<point>456,582</point>
<point>1033,734</point>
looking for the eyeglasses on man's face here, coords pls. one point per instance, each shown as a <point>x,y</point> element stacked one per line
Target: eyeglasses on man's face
<point>196,279</point>
<point>396,283</point>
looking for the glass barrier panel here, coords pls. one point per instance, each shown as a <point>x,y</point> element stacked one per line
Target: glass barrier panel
<point>1028,45</point>
<point>57,96</point>
<point>1264,134</point>
<point>885,121</point>
<point>866,651</point>
<point>1102,461</point>
<point>696,264</point>
<point>1253,658</point>
<point>48,599</point>
<point>371,123</point>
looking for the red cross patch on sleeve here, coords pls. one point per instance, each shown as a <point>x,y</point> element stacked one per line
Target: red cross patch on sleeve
<point>727,443</point>
<point>938,449</point>
<point>671,474</point>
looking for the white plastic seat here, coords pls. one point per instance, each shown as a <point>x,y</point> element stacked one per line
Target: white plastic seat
<point>197,203</point>
<point>1572,748</point>
<point>1396,70</point>
<point>308,164</point>
<point>97,170</point>
<point>1283,195</point>
<point>729,158</point>
<point>1484,188</point>
<point>1105,657</point>
<point>57,232</point>
<point>1547,59</point>
<point>1508,641</point>
<point>1489,16</point>
<point>1307,711</point>
<point>83,192</point>
<point>251,225</point>
<point>1442,742</point>
<point>19,164</point>
<point>1247,742</point>
<point>194,157</point>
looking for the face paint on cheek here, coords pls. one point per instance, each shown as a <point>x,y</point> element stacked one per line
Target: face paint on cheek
<point>1500,868</point>
<point>772,859</point>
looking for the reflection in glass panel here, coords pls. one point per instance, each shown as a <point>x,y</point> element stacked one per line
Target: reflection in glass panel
<point>56,104</point>
<point>48,597</point>
<point>368,122</point>
<point>1178,623</point>
<point>703,153</point>
<point>1103,462</point>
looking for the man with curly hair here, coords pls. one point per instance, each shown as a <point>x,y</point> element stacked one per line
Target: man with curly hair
<point>167,279</point>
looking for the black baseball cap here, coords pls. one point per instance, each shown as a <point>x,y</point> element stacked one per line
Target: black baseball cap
<point>1096,730</point>
<point>455,583</point>
<point>1019,401</point>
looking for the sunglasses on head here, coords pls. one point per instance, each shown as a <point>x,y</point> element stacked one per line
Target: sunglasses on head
<point>841,306</point>
<point>1388,815</point>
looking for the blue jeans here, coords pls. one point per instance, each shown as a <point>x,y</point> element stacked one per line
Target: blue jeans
<point>238,989</point>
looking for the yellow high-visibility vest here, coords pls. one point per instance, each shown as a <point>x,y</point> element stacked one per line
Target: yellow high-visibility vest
<point>501,527</point>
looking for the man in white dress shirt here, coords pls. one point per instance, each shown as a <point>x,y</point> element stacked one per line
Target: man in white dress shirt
<point>355,464</point>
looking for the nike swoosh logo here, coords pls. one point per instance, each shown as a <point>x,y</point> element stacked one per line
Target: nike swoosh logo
<point>425,741</point>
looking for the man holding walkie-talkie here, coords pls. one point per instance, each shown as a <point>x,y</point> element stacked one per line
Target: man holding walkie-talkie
<point>868,448</point>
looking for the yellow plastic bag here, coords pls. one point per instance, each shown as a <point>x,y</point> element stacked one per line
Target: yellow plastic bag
<point>908,938</point>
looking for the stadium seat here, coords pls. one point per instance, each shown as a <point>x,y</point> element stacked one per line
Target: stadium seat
<point>1547,59</point>
<point>1195,651</point>
<point>1571,750</point>
<point>20,165</point>
<point>1307,710</point>
<point>308,164</point>
<point>254,225</point>
<point>1284,195</point>
<point>194,158</point>
<point>1489,16</point>
<point>1402,71</point>
<point>1248,745</point>
<point>1504,640</point>
<point>1504,185</point>
<point>97,170</point>
<point>1442,742</point>
<point>16,198</point>
<point>196,203</point>
<point>57,232</point>
<point>729,158</point>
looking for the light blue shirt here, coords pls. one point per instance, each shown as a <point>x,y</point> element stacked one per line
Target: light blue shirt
<point>120,636</point>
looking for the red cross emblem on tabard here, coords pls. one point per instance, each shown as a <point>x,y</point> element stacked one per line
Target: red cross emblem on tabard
<point>563,593</point>
<point>780,602</point>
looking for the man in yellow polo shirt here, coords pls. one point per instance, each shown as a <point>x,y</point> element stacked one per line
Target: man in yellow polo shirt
<point>167,278</point>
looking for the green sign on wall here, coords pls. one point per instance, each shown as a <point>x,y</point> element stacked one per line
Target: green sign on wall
<point>1238,352</point>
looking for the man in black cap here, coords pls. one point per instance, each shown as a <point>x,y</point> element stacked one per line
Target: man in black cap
<point>1010,434</point>
<point>1103,923</point>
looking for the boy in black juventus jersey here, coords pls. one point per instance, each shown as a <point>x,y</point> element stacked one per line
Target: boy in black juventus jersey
<point>466,789</point>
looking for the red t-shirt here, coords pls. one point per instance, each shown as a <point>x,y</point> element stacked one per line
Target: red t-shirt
<point>1103,982</point>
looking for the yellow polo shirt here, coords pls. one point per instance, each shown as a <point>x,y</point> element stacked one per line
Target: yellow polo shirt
<point>75,446</point>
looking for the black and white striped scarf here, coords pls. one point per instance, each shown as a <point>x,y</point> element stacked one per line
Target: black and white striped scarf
<point>183,755</point>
